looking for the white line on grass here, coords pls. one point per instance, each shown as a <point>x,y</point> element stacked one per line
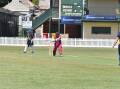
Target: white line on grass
<point>71,56</point>
<point>89,56</point>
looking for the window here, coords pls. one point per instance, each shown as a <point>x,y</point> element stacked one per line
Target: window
<point>101,30</point>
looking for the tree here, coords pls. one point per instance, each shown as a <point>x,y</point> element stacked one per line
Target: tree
<point>36,2</point>
<point>4,2</point>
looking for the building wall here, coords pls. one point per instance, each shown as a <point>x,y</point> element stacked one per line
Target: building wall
<point>8,25</point>
<point>102,7</point>
<point>87,30</point>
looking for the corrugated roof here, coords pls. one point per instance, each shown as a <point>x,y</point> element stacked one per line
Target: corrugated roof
<point>18,5</point>
<point>2,10</point>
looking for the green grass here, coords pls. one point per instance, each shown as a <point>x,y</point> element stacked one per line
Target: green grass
<point>79,68</point>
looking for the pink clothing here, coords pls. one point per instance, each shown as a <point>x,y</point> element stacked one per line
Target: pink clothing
<point>57,45</point>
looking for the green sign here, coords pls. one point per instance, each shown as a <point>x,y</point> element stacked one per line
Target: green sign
<point>71,7</point>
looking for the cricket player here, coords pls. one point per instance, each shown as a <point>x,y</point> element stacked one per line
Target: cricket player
<point>57,44</point>
<point>30,36</point>
<point>118,41</point>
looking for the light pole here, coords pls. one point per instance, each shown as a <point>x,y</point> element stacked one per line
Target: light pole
<point>50,19</point>
<point>118,13</point>
<point>118,17</point>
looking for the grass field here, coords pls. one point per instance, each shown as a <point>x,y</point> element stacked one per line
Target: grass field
<point>79,68</point>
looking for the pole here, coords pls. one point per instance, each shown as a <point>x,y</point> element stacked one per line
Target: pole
<point>118,25</point>
<point>49,27</point>
<point>50,19</point>
<point>64,28</point>
<point>118,15</point>
<point>59,16</point>
<point>59,25</point>
<point>118,22</point>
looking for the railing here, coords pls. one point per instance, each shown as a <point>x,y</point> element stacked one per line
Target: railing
<point>4,41</point>
<point>41,19</point>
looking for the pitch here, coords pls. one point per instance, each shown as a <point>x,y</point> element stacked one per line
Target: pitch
<point>78,68</point>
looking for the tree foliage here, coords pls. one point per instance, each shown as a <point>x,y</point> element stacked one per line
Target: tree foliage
<point>36,2</point>
<point>4,2</point>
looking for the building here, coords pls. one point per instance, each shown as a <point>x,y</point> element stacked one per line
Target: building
<point>54,15</point>
<point>85,19</point>
<point>23,7</point>
<point>102,22</point>
<point>8,23</point>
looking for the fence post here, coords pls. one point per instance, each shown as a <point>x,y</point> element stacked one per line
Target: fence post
<point>75,42</point>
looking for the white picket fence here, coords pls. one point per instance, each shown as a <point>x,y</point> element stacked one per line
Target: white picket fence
<point>8,41</point>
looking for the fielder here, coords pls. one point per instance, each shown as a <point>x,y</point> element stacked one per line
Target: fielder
<point>118,41</point>
<point>29,44</point>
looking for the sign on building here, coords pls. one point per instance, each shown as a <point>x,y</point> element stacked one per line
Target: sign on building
<point>27,24</point>
<point>70,19</point>
<point>71,7</point>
